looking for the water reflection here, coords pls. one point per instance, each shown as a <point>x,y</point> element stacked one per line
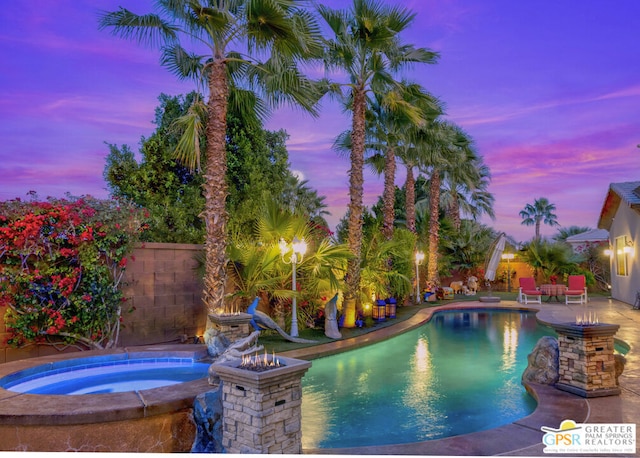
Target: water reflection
<point>457,374</point>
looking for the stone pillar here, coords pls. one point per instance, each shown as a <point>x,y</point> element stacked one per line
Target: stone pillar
<point>234,327</point>
<point>262,410</point>
<point>586,362</point>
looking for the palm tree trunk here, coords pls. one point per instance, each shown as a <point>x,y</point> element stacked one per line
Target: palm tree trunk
<point>410,198</point>
<point>215,191</point>
<point>434,227</point>
<point>454,212</point>
<point>388,195</point>
<point>356,184</point>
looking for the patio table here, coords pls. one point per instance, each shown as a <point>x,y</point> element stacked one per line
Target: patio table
<point>553,291</point>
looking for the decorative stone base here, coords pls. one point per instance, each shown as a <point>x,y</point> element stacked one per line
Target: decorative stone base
<point>234,327</point>
<point>586,359</point>
<point>262,410</point>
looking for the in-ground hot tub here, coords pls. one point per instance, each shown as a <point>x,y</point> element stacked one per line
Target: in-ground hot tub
<point>155,419</point>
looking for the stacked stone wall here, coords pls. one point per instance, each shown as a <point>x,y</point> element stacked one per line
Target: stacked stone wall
<point>262,419</point>
<point>587,363</point>
<point>234,327</point>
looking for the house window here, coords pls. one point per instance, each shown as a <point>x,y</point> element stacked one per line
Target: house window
<point>621,256</point>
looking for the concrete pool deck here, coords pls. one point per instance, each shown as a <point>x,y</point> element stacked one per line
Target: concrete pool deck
<point>523,437</point>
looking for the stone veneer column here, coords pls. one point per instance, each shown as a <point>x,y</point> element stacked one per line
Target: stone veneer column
<point>234,327</point>
<point>587,364</point>
<point>261,411</point>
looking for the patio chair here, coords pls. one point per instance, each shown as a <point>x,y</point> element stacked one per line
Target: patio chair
<point>576,292</point>
<point>528,291</point>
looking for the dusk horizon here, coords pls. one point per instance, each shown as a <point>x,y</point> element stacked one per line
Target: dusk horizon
<point>548,93</point>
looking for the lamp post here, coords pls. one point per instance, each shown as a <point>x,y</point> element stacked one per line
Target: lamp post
<point>298,248</point>
<point>419,259</point>
<point>508,257</point>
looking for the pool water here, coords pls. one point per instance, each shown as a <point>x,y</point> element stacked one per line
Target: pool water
<point>107,376</point>
<point>457,374</point>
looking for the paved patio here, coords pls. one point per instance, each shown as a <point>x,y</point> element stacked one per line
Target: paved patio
<point>523,437</point>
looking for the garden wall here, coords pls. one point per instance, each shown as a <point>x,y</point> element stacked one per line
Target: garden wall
<point>165,289</point>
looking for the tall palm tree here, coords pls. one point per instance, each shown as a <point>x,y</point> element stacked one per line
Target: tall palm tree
<point>541,211</point>
<point>392,121</point>
<point>366,45</point>
<point>227,35</point>
<point>438,147</point>
<point>409,155</point>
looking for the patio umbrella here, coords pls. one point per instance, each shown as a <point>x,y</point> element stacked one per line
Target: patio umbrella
<point>496,249</point>
<point>496,252</point>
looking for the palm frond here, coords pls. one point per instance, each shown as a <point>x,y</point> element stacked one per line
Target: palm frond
<point>148,29</point>
<point>193,125</point>
<point>181,63</point>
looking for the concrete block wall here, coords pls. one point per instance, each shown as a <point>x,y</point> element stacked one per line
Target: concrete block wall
<point>165,289</point>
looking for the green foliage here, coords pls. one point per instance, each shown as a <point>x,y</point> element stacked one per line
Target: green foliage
<point>257,267</point>
<point>566,232</point>
<point>552,259</point>
<point>170,192</point>
<point>257,170</point>
<point>466,250</point>
<point>61,266</point>
<point>386,265</point>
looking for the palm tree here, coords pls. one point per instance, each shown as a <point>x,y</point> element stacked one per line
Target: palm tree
<point>540,212</point>
<point>566,232</point>
<point>409,155</point>
<point>367,47</point>
<point>465,182</point>
<point>392,122</point>
<point>279,30</point>
<point>439,148</point>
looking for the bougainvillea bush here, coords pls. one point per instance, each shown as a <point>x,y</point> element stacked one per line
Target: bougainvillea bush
<point>61,266</point>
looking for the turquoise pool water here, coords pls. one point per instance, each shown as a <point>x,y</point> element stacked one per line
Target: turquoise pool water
<point>457,374</point>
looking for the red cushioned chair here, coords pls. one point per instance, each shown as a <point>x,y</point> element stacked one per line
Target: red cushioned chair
<point>576,292</point>
<point>528,291</point>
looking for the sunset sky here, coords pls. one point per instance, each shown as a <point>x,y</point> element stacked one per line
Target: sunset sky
<point>549,91</point>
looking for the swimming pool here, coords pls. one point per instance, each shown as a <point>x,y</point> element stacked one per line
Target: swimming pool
<point>457,374</point>
<point>99,375</point>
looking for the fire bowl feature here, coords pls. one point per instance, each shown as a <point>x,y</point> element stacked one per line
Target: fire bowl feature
<point>259,363</point>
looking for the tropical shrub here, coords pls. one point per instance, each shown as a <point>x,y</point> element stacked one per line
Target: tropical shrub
<point>549,259</point>
<point>61,267</point>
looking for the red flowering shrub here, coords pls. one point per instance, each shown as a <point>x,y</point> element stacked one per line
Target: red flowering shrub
<point>61,265</point>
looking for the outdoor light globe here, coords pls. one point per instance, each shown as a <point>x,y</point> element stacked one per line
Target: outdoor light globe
<point>283,247</point>
<point>299,246</point>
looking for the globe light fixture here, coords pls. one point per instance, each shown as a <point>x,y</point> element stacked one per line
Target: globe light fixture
<point>297,248</point>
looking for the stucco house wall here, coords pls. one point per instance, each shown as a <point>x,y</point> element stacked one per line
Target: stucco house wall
<point>620,215</point>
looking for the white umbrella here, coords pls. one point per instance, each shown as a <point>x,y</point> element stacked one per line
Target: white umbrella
<point>492,265</point>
